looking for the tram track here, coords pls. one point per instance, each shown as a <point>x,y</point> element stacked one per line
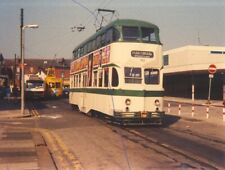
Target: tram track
<point>185,158</point>
<point>204,137</point>
<point>32,110</point>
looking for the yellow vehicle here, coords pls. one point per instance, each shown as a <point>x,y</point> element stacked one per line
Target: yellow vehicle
<point>53,85</point>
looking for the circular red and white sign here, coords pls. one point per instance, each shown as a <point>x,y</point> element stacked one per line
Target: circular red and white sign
<point>212,68</point>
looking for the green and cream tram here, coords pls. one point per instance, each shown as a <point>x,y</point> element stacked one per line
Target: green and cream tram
<point>117,73</point>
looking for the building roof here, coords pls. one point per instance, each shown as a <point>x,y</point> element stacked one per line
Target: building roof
<point>194,59</point>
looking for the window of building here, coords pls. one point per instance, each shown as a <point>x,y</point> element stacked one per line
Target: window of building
<point>132,75</point>
<point>166,60</point>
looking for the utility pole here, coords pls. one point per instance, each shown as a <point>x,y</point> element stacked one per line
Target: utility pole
<point>14,73</point>
<point>21,42</point>
<point>21,63</point>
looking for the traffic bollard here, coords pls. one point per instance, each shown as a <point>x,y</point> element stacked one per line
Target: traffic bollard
<point>224,113</point>
<point>168,107</point>
<point>207,112</point>
<point>192,111</point>
<point>179,110</point>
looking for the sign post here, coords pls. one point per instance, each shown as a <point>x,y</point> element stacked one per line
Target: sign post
<point>212,71</point>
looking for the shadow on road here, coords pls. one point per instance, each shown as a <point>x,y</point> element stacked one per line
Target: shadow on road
<point>169,120</point>
<point>8,104</point>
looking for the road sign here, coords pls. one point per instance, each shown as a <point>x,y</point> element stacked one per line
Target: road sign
<point>211,76</point>
<point>212,69</point>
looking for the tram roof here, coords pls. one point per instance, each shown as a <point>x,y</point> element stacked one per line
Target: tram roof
<point>127,22</point>
<point>120,22</point>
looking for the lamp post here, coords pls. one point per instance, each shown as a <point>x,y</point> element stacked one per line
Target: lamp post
<point>22,63</point>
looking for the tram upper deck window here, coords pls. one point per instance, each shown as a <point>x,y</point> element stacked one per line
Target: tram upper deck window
<point>148,35</point>
<point>132,75</point>
<point>151,76</point>
<point>130,33</point>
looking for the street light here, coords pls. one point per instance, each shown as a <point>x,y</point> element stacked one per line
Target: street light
<point>22,63</point>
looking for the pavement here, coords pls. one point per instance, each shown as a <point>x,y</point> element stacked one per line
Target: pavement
<point>211,113</point>
<point>21,148</point>
<point>10,108</point>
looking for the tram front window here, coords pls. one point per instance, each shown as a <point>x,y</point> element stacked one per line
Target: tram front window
<point>148,35</point>
<point>132,75</point>
<point>131,33</point>
<point>151,76</point>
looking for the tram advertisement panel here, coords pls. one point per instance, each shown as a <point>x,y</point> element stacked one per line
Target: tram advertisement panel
<point>100,57</point>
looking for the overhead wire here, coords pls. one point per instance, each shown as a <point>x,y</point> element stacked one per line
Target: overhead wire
<point>102,3</point>
<point>84,7</point>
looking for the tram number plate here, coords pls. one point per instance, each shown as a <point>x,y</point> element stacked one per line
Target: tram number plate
<point>144,114</point>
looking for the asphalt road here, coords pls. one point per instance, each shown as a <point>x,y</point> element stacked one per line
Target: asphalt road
<point>83,142</point>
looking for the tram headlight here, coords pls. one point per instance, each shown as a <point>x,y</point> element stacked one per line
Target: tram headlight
<point>157,103</point>
<point>127,102</point>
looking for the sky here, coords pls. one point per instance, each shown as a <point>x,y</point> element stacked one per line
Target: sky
<point>181,22</point>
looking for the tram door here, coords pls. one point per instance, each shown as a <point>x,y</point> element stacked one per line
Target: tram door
<point>88,83</point>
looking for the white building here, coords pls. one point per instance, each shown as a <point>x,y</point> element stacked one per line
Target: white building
<point>189,65</point>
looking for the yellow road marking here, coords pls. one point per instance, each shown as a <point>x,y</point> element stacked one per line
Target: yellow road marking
<point>64,155</point>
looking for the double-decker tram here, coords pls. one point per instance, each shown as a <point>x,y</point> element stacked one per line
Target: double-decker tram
<point>116,73</point>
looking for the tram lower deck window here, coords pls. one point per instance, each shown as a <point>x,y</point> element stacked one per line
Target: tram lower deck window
<point>151,76</point>
<point>132,75</point>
